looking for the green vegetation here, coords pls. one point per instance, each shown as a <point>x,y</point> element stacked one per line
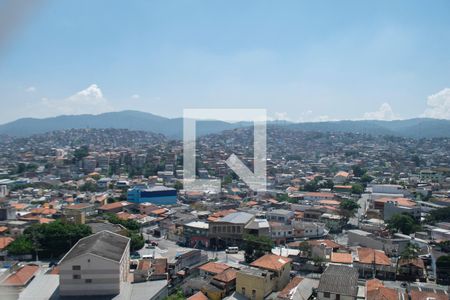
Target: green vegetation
<point>366,178</point>
<point>439,215</point>
<point>318,183</point>
<point>357,188</point>
<point>178,295</point>
<point>443,269</point>
<point>178,185</point>
<point>444,246</point>
<point>358,171</point>
<point>348,208</point>
<point>137,241</point>
<point>51,240</point>
<point>255,247</point>
<point>21,246</point>
<point>81,153</point>
<point>128,224</point>
<point>403,223</point>
<point>89,187</point>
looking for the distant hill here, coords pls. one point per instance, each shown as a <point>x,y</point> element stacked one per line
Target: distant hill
<point>415,128</point>
<point>132,120</point>
<point>173,128</point>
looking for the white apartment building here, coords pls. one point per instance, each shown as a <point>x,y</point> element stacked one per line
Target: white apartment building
<point>95,266</point>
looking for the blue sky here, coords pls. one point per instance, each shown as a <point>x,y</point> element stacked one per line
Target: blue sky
<point>302,61</point>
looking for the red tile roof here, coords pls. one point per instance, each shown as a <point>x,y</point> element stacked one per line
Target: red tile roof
<point>271,262</point>
<point>198,296</point>
<point>341,258</point>
<point>227,275</point>
<point>421,295</point>
<point>5,241</point>
<point>369,256</point>
<point>328,243</point>
<point>22,276</point>
<point>214,267</point>
<point>284,294</point>
<point>375,290</point>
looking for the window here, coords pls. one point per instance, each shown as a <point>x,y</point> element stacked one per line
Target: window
<point>76,268</point>
<point>326,294</point>
<point>88,280</point>
<point>338,297</point>
<point>76,276</point>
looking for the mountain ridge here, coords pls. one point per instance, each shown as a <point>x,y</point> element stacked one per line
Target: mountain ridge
<point>172,127</point>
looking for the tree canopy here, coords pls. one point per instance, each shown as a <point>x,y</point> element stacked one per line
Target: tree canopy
<point>255,247</point>
<point>51,240</point>
<point>439,215</point>
<point>403,223</point>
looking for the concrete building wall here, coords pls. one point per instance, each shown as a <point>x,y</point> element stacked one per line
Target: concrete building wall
<point>96,276</point>
<point>254,286</point>
<point>321,296</point>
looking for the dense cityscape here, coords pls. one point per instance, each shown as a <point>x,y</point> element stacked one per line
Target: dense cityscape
<point>103,213</point>
<point>224,150</point>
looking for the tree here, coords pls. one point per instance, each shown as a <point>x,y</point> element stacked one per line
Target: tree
<point>443,269</point>
<point>403,223</point>
<point>56,238</point>
<point>358,171</point>
<point>311,186</point>
<point>348,208</point>
<point>411,251</point>
<point>178,185</point>
<point>137,241</point>
<point>305,248</point>
<point>255,247</point>
<point>357,188</point>
<point>282,197</point>
<point>89,187</point>
<point>178,295</point>
<point>366,178</point>
<point>439,215</point>
<point>128,224</point>
<point>328,184</point>
<point>21,246</point>
<point>81,153</point>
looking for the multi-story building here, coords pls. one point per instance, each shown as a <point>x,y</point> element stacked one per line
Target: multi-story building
<point>267,274</point>
<point>95,266</point>
<point>280,215</point>
<point>159,195</point>
<point>196,234</point>
<point>229,230</point>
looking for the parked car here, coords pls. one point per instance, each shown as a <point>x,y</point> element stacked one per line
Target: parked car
<point>231,250</point>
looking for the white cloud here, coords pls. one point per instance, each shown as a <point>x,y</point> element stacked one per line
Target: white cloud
<point>87,101</point>
<point>438,105</point>
<point>136,96</point>
<point>385,113</point>
<point>30,89</point>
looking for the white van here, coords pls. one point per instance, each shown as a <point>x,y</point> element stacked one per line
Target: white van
<point>232,250</point>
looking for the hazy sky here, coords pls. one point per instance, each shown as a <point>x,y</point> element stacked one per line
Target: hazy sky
<point>301,61</point>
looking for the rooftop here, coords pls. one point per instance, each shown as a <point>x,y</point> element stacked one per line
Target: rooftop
<point>271,262</point>
<point>338,279</point>
<point>237,218</point>
<point>104,243</point>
